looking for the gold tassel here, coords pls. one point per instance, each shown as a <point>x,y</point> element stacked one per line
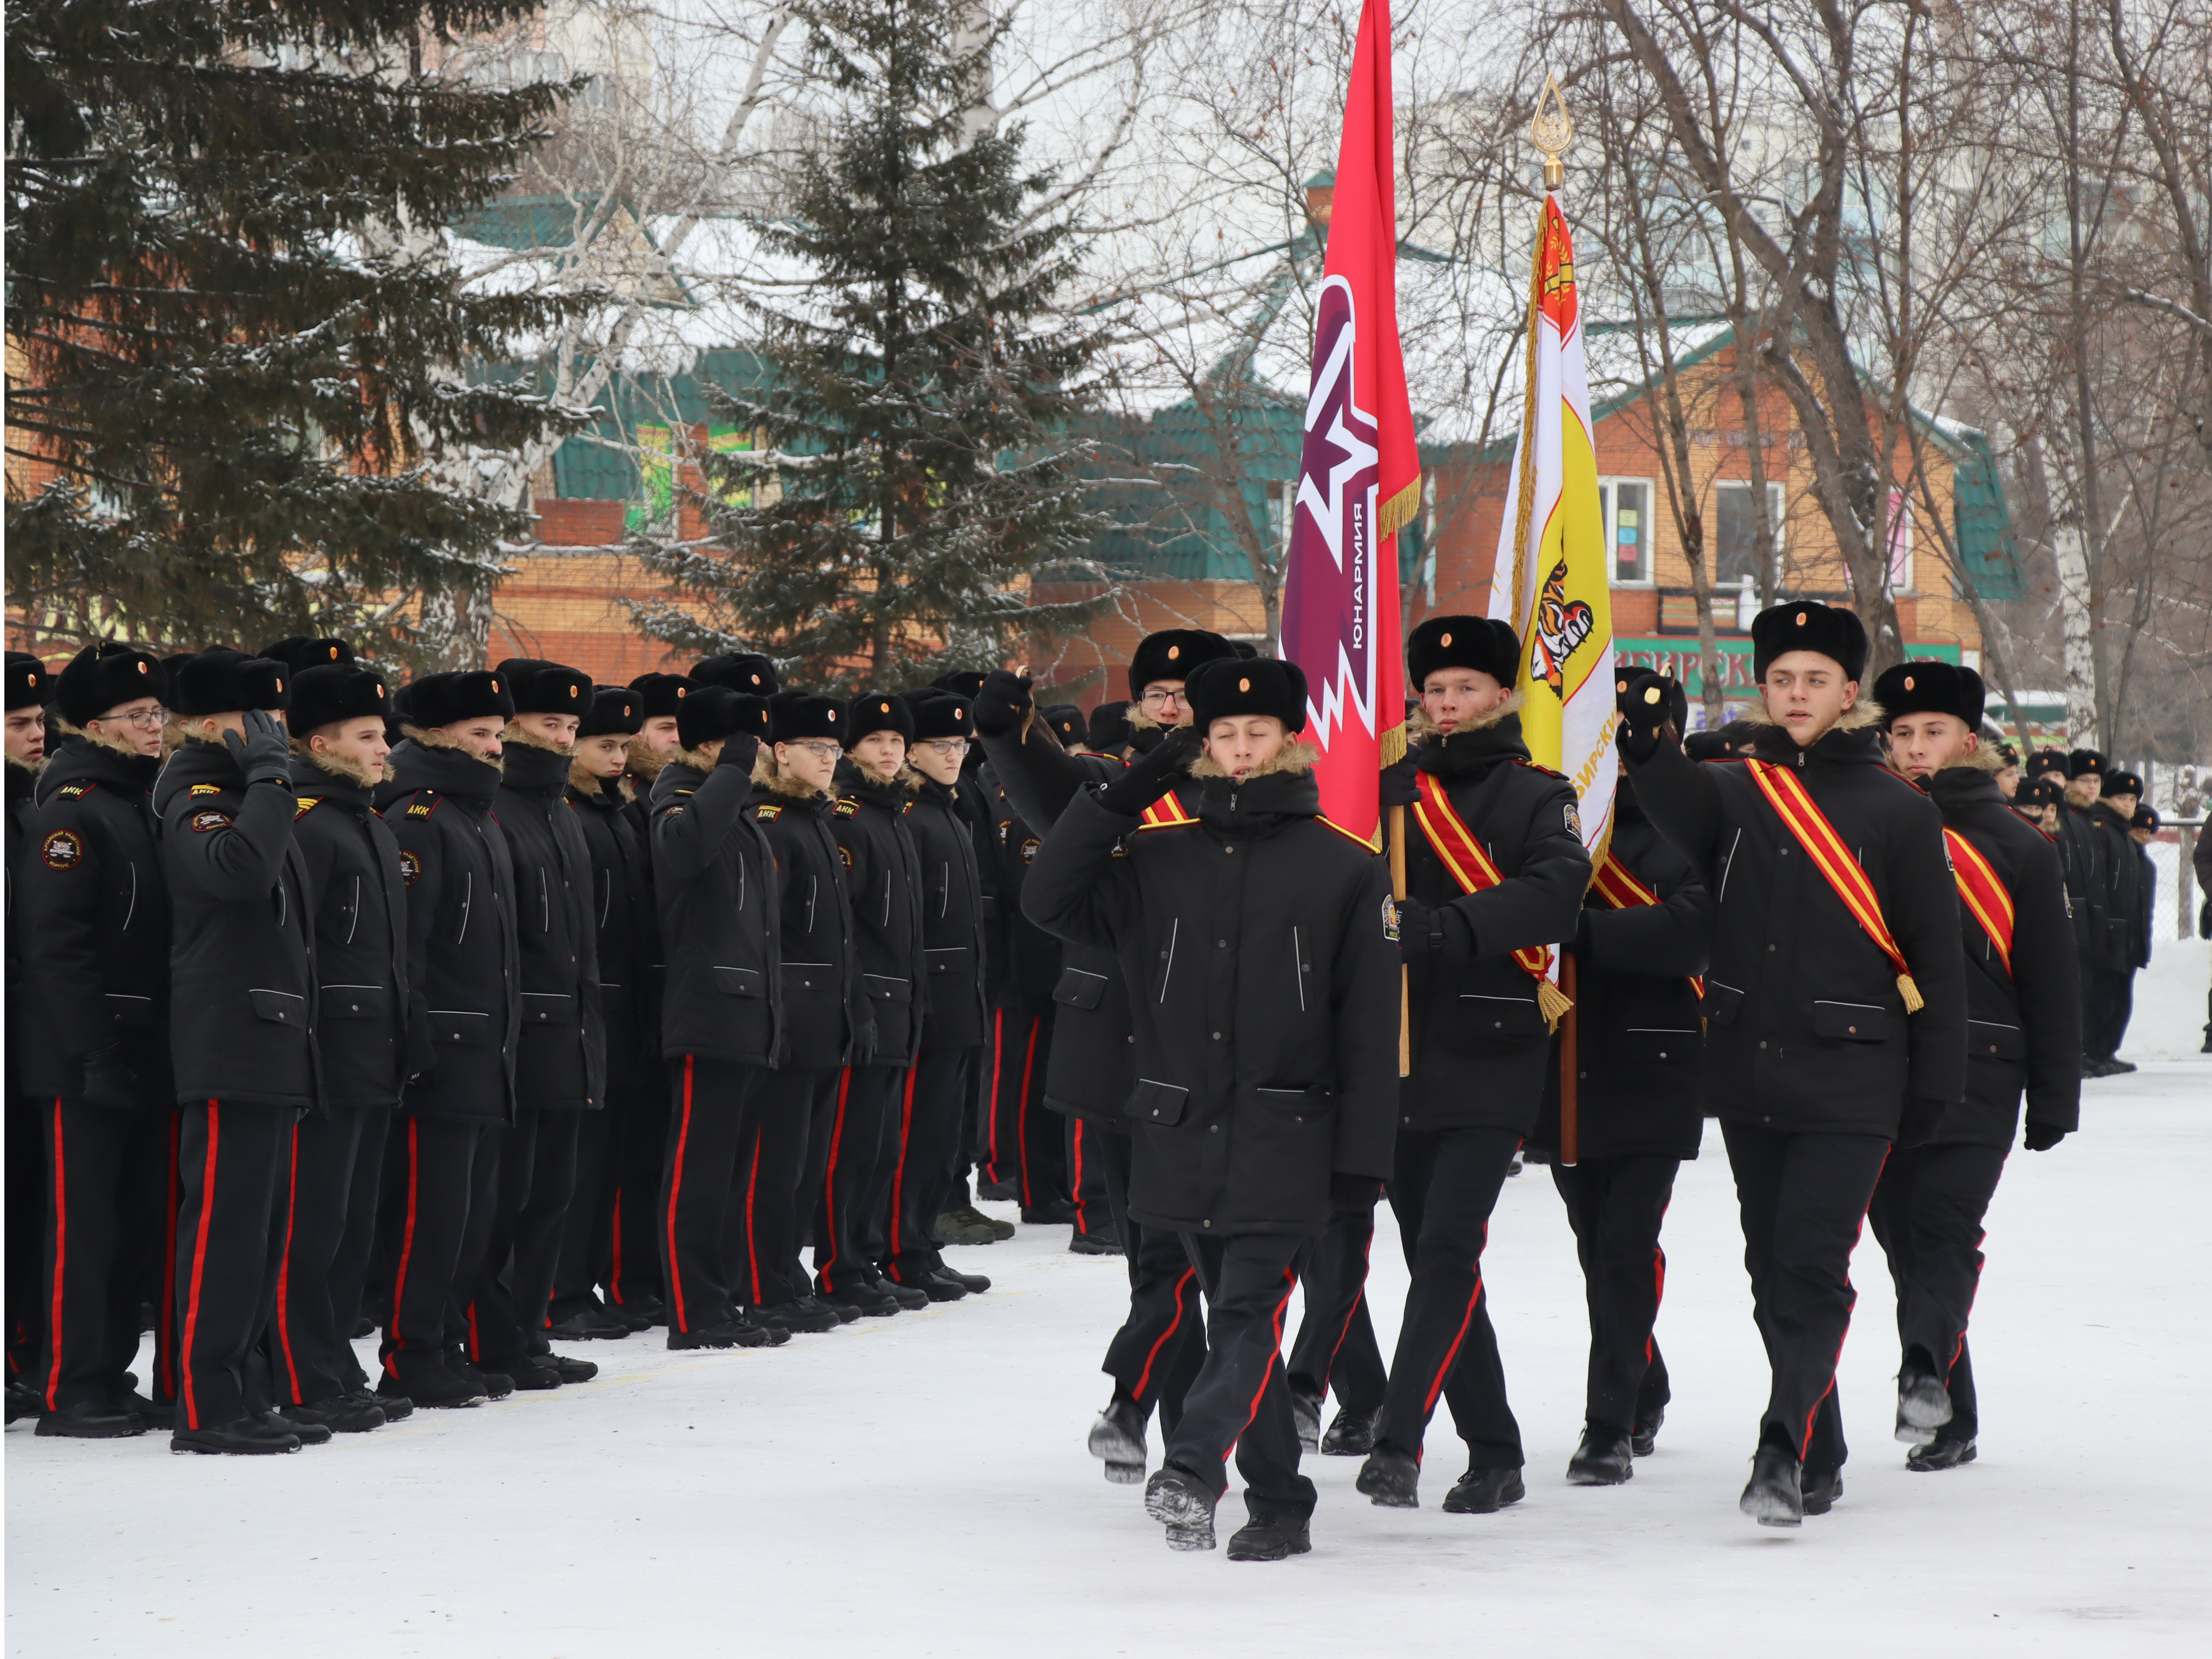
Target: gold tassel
<point>1552,1002</point>
<point>1393,744</point>
<point>1399,511</point>
<point>1914,1002</point>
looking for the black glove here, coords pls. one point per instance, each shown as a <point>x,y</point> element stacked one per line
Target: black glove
<point>1439,931</point>
<point>1400,785</point>
<point>1353,1193</point>
<point>2038,1136</point>
<point>264,752</point>
<point>864,1045</point>
<point>1579,945</point>
<point>740,749</point>
<point>1000,701</point>
<point>1152,776</point>
<point>1646,704</point>
<point>110,1081</point>
<point>1921,1116</point>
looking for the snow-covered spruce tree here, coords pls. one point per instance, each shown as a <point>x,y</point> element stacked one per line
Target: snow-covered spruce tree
<point>916,456</point>
<point>221,415</point>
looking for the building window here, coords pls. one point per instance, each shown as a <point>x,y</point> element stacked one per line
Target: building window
<point>1736,562</point>
<point>1627,528</point>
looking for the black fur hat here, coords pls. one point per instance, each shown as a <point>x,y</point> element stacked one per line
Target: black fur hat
<point>28,681</point>
<point>615,711</point>
<point>1474,642</point>
<point>2086,763</point>
<point>1809,625</point>
<point>1230,686</point>
<point>299,652</point>
<point>1109,726</point>
<point>664,693</point>
<point>2047,760</point>
<point>942,714</point>
<point>1924,686</point>
<point>2122,783</point>
<point>1739,735</point>
<point>546,688</point>
<point>714,712</point>
<point>1068,724</point>
<point>877,711</point>
<point>961,682</point>
<point>795,716</point>
<point>1172,653</point>
<point>220,681</point>
<point>101,677</point>
<point>741,671</point>
<point>336,692</point>
<point>2045,790</point>
<point>2146,818</point>
<point>472,694</point>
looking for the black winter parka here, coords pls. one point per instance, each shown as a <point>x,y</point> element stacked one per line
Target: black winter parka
<point>951,917</point>
<point>714,880</point>
<point>240,932</point>
<point>2119,897</point>
<point>622,915</point>
<point>1266,1026</point>
<point>2084,855</point>
<point>826,1021</point>
<point>561,1059</point>
<point>883,877</point>
<point>357,900</point>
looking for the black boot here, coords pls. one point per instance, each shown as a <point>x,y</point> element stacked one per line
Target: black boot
<point>1772,1496</point>
<point>1117,1439</point>
<point>589,1324</point>
<point>1942,1455</point>
<point>438,1389</point>
<point>939,1287</point>
<point>570,1371</point>
<point>1923,1405</point>
<point>1183,1504</point>
<point>1351,1435</point>
<point>643,1314</point>
<point>866,1300</point>
<point>247,1436</point>
<point>1305,1412</point>
<point>342,1413</point>
<point>734,1334</point>
<point>1391,1479</point>
<point>91,1419</point>
<point>158,1413</point>
<point>395,1407</point>
<point>909,1297</point>
<point>22,1402</point>
<point>491,1384</point>
<point>1273,1533</point>
<point>805,1315</point>
<point>530,1374</point>
<point>1644,1437</point>
<point>974,1284</point>
<point>1484,1492</point>
<point>306,1433</point>
<point>1054,1212</point>
<point>1094,1244</point>
<point>1820,1491</point>
<point>1605,1458</point>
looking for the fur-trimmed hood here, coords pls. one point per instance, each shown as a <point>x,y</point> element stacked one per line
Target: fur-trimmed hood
<point>645,761</point>
<point>1420,728</point>
<point>30,768</point>
<point>58,727</point>
<point>1296,757</point>
<point>1858,717</point>
<point>342,766</point>
<point>433,737</point>
<point>588,783</point>
<point>522,737</point>
<point>774,779</point>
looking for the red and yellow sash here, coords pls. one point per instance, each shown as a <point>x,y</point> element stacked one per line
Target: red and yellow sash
<point>1805,820</point>
<point>1621,890</point>
<point>1165,813</point>
<point>1461,854</point>
<point>1982,893</point>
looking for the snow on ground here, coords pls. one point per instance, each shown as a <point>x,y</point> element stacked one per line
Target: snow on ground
<point>919,1486</point>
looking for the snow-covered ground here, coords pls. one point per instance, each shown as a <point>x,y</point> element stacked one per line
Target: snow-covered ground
<point>919,1486</point>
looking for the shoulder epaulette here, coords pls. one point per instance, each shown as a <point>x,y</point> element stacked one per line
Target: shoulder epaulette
<point>421,808</point>
<point>75,790</point>
<point>683,792</point>
<point>905,807</point>
<point>1534,766</point>
<point>846,808</point>
<point>207,789</point>
<point>307,804</point>
<point>1359,841</point>
<point>767,812</point>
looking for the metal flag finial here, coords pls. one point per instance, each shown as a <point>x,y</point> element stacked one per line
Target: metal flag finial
<point>1551,130</point>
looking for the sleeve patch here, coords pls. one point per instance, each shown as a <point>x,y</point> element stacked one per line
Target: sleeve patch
<point>207,789</point>
<point>411,865</point>
<point>421,809</point>
<point>75,790</point>
<point>846,854</point>
<point>846,809</point>
<point>62,850</point>
<point>1574,820</point>
<point>768,814</point>
<point>307,804</point>
<point>202,822</point>
<point>1029,849</point>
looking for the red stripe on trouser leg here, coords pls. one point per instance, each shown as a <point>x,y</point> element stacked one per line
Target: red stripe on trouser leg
<point>199,1264</point>
<point>998,1066</point>
<point>284,1271</point>
<point>1366,1254</point>
<point>61,1265</point>
<point>830,1172</point>
<point>675,1197</point>
<point>898,1170</point>
<point>1658,1292</point>
<point>1022,1108</point>
<point>1075,1178</point>
<point>396,1324</point>
<point>752,1244</point>
<point>1443,1371</point>
<point>1268,1374</point>
<point>614,1271</point>
<point>1145,1376</point>
<point>1851,1301</point>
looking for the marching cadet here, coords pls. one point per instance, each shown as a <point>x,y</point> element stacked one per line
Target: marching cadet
<point>596,1244</point>
<point>95,899</point>
<point>934,1121</point>
<point>241,937</point>
<point>559,1062</point>
<point>1835,1006</point>
<point>1639,954</point>
<point>357,902</point>
<point>2023,1012</point>
<point>714,880</point>
<point>464,982</point>
<point>1264,1050</point>
<point>1495,875</point>
<point>2112,985</point>
<point>826,1023</point>
<point>27,687</point>
<point>883,875</point>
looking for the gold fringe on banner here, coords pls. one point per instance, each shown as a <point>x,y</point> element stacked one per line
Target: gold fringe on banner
<point>1394,514</point>
<point>1393,744</point>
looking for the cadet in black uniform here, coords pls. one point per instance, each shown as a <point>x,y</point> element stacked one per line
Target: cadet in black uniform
<point>1266,1042</point>
<point>27,688</point>
<point>1815,1059</point>
<point>594,1237</point>
<point>883,874</point>
<point>465,985</point>
<point>2023,1009</point>
<point>826,1023</point>
<point>1495,875</point>
<point>714,880</point>
<point>2087,858</point>
<point>1639,954</point>
<point>560,1064</point>
<point>357,900</point>
<point>94,899</point>
<point>2112,999</point>
<point>241,938</point>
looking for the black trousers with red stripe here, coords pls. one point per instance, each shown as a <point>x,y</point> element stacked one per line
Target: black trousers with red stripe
<point>25,1229</point>
<point>931,1158</point>
<point>633,1268</point>
<point>856,1175</point>
<point>511,1283</point>
<point>1803,1198</point>
<point>1927,1212</point>
<point>1444,1186</point>
<point>709,1157</point>
<point>1161,1345</point>
<point>1615,1206</point>
<point>1335,1346</point>
<point>431,1186</point>
<point>1022,1142</point>
<point>105,1195</point>
<point>232,1161</point>
<point>793,1111</point>
<point>330,1179</point>
<point>1240,1399</point>
<point>1095,1216</point>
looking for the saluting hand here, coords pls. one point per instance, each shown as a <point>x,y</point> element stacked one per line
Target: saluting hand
<point>264,753</point>
<point>1151,777</point>
<point>1001,700</point>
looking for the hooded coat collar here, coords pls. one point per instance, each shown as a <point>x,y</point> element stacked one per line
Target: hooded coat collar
<point>1455,757</point>
<point>79,759</point>
<point>1254,806</point>
<point>1841,744</point>
<point>1954,789</point>
<point>198,762</point>
<point>455,771</point>
<point>312,778</point>
<point>534,770</point>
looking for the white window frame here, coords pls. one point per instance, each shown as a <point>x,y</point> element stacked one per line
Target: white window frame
<point>1777,501</point>
<point>1610,495</point>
